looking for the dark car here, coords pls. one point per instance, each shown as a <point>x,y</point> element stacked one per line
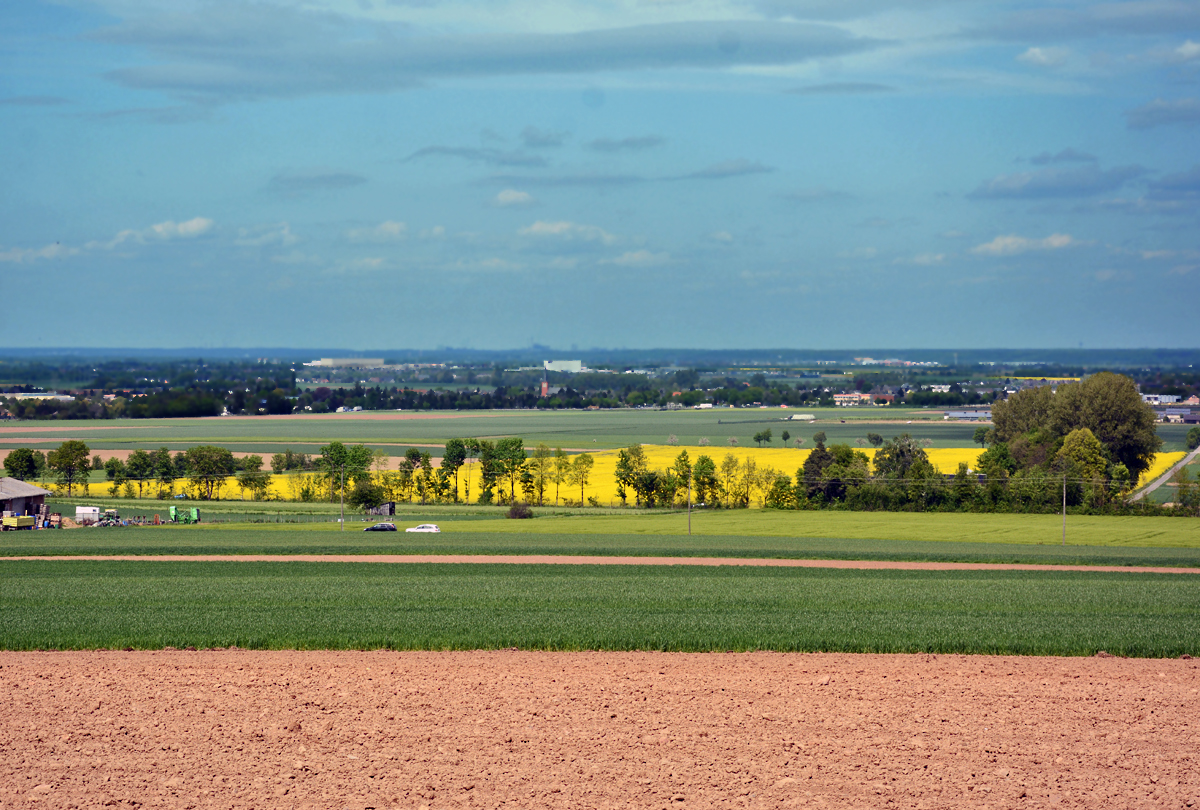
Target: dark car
<point>381,527</point>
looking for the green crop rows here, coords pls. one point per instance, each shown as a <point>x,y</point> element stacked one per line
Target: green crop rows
<point>322,539</point>
<point>77,605</point>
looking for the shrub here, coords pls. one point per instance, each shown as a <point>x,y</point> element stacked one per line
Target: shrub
<point>520,511</point>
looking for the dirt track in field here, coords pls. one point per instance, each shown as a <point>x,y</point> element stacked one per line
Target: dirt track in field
<point>595,730</point>
<point>504,559</point>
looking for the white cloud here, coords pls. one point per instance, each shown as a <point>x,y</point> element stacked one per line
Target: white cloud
<point>389,231</point>
<point>182,230</point>
<point>721,236</point>
<point>511,198</point>
<point>436,232</point>
<point>1188,51</point>
<point>21,255</point>
<point>162,232</point>
<point>252,50</point>
<point>639,258</point>
<point>1044,57</point>
<point>568,230</point>
<point>1013,244</point>
<point>263,235</point>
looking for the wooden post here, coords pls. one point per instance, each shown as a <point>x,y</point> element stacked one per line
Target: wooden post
<point>689,506</point>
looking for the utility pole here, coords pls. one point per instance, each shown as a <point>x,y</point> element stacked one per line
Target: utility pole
<point>689,506</point>
<point>1064,542</point>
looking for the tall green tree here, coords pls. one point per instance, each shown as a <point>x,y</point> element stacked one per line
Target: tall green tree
<point>139,467</point>
<point>1022,412</point>
<point>491,469</point>
<point>581,470</point>
<point>704,478</point>
<point>208,467</point>
<point>253,478</point>
<point>453,457</point>
<point>340,464</point>
<point>1082,456</point>
<point>472,451</point>
<point>897,457</point>
<point>164,470</point>
<point>631,463</point>
<point>562,468</point>
<point>1107,404</point>
<point>114,470</point>
<point>511,452</point>
<point>848,468</point>
<point>21,464</point>
<point>541,467</point>
<point>809,476</point>
<point>1110,406</point>
<point>682,470</point>
<point>70,463</point>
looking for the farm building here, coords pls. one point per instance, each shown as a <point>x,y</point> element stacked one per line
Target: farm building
<point>851,399</point>
<point>970,416</point>
<point>20,498</point>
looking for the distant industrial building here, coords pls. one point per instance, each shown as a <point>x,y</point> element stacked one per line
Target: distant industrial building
<point>347,362</point>
<point>568,366</point>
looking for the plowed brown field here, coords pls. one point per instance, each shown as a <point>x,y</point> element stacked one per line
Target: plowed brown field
<point>582,730</point>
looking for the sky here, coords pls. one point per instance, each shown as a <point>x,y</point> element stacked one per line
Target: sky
<point>613,173</point>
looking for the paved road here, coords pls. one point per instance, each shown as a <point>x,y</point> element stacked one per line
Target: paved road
<point>1165,477</point>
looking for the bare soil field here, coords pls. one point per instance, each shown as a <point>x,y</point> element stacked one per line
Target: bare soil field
<point>235,728</point>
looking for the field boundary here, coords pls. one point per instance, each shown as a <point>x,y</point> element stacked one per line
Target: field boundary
<point>508,559</point>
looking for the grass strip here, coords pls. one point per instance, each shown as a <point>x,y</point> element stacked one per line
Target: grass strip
<point>86,605</point>
<point>307,540</point>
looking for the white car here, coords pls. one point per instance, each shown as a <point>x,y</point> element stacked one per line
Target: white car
<point>424,527</point>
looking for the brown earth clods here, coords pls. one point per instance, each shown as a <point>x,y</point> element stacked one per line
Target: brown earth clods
<point>493,729</point>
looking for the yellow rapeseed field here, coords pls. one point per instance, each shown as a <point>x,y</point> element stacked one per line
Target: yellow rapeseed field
<point>602,483</point>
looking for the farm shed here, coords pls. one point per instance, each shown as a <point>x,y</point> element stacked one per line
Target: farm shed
<point>969,416</point>
<point>20,498</point>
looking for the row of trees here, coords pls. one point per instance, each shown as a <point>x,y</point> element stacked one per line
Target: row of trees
<point>499,471</point>
<point>899,478</point>
<point>203,470</point>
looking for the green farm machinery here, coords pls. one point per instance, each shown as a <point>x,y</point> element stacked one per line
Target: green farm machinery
<point>184,515</point>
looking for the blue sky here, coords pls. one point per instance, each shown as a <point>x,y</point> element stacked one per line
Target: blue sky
<point>647,173</point>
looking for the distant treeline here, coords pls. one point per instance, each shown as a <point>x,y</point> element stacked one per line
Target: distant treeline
<point>621,393</point>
